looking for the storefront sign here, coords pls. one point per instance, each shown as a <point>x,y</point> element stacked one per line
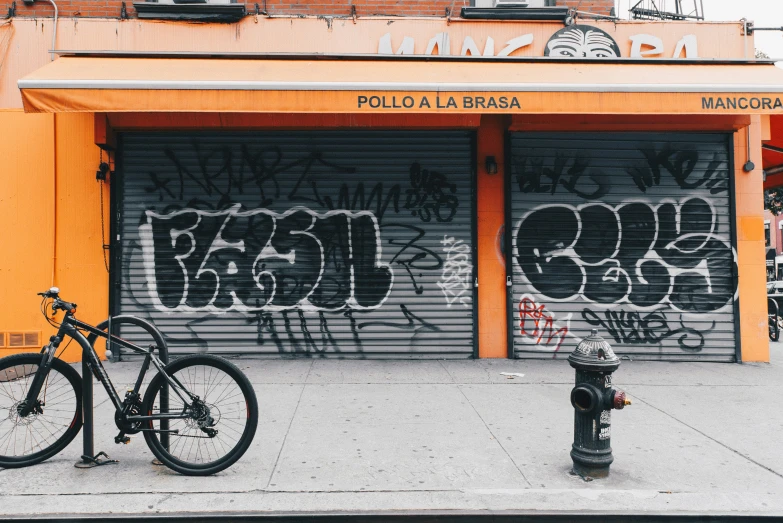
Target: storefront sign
<point>437,102</point>
<point>576,41</point>
<point>521,103</point>
<point>743,102</point>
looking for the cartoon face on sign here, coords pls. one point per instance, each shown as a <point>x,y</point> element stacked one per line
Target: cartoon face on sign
<point>582,41</point>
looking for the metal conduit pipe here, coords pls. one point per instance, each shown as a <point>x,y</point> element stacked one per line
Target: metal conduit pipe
<point>54,30</point>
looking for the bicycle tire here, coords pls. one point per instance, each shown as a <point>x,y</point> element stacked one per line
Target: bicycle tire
<point>13,387</point>
<point>181,456</point>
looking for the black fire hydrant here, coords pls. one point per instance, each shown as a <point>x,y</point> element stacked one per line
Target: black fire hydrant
<point>593,398</point>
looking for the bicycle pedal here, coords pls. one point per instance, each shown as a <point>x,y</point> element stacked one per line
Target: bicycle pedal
<point>122,439</point>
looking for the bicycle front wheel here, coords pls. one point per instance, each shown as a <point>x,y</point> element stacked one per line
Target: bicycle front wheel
<point>55,419</point>
<point>220,425</point>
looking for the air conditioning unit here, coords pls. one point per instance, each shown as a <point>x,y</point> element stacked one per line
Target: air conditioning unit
<point>521,3</point>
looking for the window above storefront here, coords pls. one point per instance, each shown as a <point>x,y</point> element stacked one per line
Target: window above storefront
<point>515,10</point>
<point>193,10</point>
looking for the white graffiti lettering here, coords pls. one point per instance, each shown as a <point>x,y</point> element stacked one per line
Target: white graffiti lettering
<point>644,45</point>
<point>440,41</point>
<point>515,44</point>
<point>469,47</point>
<point>457,271</point>
<point>635,253</point>
<point>259,260</point>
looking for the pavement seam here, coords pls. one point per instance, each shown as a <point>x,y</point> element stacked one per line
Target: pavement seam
<point>497,440</point>
<point>442,366</point>
<point>169,494</point>
<point>725,446</point>
<point>290,423</point>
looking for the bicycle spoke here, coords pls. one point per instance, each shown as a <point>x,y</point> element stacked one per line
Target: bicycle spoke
<point>219,392</point>
<point>50,418</point>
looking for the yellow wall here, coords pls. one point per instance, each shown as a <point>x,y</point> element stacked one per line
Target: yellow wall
<point>51,236</point>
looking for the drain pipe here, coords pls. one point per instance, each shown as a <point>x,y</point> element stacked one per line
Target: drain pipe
<point>54,30</point>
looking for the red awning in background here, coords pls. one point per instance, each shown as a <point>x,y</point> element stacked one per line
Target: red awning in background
<point>772,154</point>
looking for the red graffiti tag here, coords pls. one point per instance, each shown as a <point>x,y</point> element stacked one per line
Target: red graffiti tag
<point>543,324</point>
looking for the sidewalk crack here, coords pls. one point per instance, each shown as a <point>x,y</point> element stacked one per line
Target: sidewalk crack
<point>725,446</point>
<point>442,366</point>
<point>290,423</point>
<point>494,436</point>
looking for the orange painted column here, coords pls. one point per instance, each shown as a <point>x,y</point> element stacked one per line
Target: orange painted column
<point>492,316</point>
<point>80,272</point>
<point>752,293</point>
<point>27,234</point>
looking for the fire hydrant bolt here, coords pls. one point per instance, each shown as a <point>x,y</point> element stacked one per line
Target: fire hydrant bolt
<point>620,401</point>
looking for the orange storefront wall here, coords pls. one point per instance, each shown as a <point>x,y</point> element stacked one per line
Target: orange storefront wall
<point>28,210</point>
<point>749,221</point>
<point>27,214</point>
<point>490,220</point>
<point>490,129</point>
<point>50,208</point>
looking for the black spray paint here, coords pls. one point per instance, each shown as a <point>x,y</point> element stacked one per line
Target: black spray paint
<point>635,243</point>
<point>299,249</point>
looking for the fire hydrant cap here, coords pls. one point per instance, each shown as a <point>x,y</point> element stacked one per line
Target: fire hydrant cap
<point>594,353</point>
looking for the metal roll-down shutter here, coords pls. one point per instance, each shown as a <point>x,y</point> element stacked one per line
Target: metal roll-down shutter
<point>629,234</point>
<point>332,242</point>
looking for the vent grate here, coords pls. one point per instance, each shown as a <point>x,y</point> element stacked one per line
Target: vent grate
<point>31,339</point>
<point>15,340</point>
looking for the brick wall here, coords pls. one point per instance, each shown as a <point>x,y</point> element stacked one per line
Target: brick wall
<point>602,7</point>
<point>111,8</point>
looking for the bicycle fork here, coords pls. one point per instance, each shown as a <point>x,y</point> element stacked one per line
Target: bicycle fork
<point>31,404</point>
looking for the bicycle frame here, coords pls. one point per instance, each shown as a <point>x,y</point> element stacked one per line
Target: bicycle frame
<point>70,327</point>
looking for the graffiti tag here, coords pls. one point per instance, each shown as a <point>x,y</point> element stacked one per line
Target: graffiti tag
<point>636,253</point>
<point>538,324</point>
<point>457,271</point>
<point>632,328</point>
<point>259,260</point>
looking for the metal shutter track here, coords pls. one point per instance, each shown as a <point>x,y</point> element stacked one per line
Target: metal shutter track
<point>626,233</point>
<point>417,186</point>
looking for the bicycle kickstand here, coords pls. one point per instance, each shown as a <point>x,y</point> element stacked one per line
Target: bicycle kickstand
<point>96,461</point>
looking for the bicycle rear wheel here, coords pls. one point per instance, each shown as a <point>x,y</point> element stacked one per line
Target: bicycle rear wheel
<point>222,423</point>
<point>54,422</point>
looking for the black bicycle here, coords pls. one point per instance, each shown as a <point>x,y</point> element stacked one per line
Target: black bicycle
<point>198,415</point>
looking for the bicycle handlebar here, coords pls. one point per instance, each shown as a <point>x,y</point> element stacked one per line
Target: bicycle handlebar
<point>53,292</point>
<point>58,304</point>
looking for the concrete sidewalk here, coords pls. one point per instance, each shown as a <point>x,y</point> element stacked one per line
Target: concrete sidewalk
<point>377,436</point>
